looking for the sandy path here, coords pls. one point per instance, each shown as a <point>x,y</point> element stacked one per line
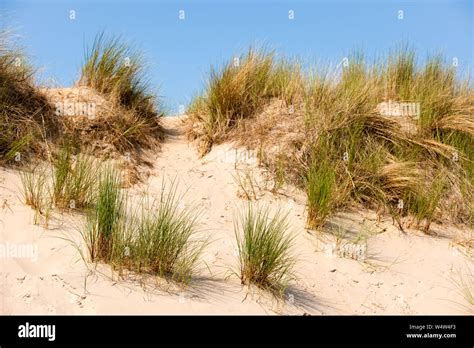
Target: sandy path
<point>404,273</point>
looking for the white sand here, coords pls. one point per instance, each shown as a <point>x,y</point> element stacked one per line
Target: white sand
<point>404,274</point>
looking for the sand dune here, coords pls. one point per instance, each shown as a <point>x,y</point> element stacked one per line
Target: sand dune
<point>402,273</point>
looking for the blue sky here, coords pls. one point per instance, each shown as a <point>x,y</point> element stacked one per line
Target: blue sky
<point>179,52</point>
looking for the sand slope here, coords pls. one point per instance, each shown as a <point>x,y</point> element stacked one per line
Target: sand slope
<point>403,273</point>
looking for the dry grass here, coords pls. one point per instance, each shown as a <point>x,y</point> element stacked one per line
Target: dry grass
<point>238,91</point>
<point>26,117</point>
<point>347,152</point>
<point>116,71</point>
<point>110,113</point>
<point>35,189</point>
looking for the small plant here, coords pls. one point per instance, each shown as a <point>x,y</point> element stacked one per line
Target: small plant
<point>83,181</point>
<point>264,249</point>
<point>62,169</point>
<point>34,188</point>
<point>423,203</point>
<point>248,187</point>
<point>157,238</point>
<point>164,240</point>
<point>319,189</point>
<point>74,180</point>
<point>279,173</point>
<point>465,285</point>
<point>36,192</point>
<point>104,220</point>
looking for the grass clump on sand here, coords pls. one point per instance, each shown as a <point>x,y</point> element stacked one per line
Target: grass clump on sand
<point>35,189</point>
<point>163,241</point>
<point>349,151</point>
<point>110,110</point>
<point>117,71</point>
<point>386,158</point>
<point>157,238</point>
<point>26,117</point>
<point>36,193</point>
<point>72,185</point>
<point>74,180</point>
<point>464,282</point>
<point>104,220</point>
<point>320,187</point>
<point>237,91</point>
<point>264,249</point>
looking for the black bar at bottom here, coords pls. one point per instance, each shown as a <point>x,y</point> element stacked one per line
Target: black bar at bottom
<point>290,331</point>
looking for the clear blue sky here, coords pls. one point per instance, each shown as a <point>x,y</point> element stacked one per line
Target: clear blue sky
<point>180,52</point>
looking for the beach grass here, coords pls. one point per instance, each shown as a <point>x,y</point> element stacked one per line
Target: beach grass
<point>264,247</point>
<point>104,219</point>
<point>35,189</point>
<point>26,116</point>
<point>353,149</point>
<point>117,70</point>
<point>74,179</point>
<point>151,238</point>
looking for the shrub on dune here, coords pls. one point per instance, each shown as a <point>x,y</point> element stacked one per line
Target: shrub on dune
<point>114,68</point>
<point>383,161</point>
<point>236,91</point>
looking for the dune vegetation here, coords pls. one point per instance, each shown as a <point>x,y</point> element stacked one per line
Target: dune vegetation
<point>264,248</point>
<point>37,120</point>
<point>117,70</point>
<point>26,117</point>
<point>155,238</point>
<point>62,166</point>
<point>346,151</point>
<point>324,130</point>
